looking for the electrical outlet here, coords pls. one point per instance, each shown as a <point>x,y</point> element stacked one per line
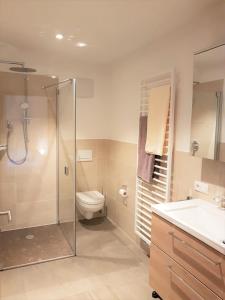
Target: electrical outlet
<point>201,187</point>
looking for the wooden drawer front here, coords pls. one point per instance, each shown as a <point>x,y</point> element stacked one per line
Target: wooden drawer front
<point>159,276</point>
<point>200,260</point>
<point>173,282</point>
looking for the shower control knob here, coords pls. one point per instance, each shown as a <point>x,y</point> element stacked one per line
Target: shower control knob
<point>9,125</point>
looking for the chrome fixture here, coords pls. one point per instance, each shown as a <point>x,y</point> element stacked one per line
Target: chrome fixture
<point>24,107</point>
<point>20,67</point>
<point>57,83</point>
<point>66,171</point>
<point>3,147</point>
<point>8,213</point>
<point>220,201</point>
<point>194,147</point>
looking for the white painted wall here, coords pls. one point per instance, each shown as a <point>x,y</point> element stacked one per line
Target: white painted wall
<point>113,111</point>
<point>92,118</point>
<point>174,51</point>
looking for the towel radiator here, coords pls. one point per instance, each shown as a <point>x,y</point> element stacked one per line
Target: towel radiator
<point>159,190</point>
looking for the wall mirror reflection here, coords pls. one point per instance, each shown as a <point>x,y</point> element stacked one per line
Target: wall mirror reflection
<point>208,108</point>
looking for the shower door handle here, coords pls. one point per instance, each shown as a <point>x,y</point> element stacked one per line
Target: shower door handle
<point>66,170</point>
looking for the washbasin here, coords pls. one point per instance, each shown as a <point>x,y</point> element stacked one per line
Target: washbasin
<point>201,219</point>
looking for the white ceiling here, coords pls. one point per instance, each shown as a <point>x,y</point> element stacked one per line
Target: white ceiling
<point>112,28</point>
<point>212,58</point>
<point>209,65</point>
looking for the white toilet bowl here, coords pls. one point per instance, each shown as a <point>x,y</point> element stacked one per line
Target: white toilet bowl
<point>89,202</point>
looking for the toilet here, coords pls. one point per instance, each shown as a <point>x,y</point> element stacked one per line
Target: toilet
<point>89,203</point>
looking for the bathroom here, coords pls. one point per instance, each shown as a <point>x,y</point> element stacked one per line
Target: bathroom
<point>71,223</point>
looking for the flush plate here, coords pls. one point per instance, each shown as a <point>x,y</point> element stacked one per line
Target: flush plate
<point>84,155</point>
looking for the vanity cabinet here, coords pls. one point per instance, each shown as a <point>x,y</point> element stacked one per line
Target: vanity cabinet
<point>182,267</point>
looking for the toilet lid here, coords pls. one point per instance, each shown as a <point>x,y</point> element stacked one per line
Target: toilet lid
<point>91,197</point>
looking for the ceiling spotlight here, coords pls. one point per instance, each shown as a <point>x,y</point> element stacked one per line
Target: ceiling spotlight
<point>53,76</point>
<point>59,36</point>
<point>81,44</point>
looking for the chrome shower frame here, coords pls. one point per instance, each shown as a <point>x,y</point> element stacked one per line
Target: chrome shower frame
<point>57,85</point>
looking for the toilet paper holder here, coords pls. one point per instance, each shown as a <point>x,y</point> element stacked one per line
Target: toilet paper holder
<point>123,191</point>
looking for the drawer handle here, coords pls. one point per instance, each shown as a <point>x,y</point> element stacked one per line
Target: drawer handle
<point>184,282</point>
<point>216,263</point>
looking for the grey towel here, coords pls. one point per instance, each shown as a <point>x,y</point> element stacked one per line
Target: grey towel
<point>145,160</point>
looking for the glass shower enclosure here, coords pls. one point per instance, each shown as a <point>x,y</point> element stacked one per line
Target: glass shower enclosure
<point>37,168</point>
<point>66,136</point>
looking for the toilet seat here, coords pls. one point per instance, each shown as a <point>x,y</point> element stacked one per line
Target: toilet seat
<point>90,198</point>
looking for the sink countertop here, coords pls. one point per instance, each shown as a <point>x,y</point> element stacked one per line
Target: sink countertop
<point>201,219</point>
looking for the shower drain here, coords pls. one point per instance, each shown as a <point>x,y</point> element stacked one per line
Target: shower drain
<point>29,237</point>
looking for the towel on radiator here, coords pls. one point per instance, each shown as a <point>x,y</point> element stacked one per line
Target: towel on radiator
<point>158,108</point>
<point>145,160</point>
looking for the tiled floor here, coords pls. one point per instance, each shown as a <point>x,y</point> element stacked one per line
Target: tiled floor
<point>108,267</point>
<point>17,249</point>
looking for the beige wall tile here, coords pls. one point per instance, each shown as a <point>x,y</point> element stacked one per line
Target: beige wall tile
<point>121,169</point>
<point>186,169</point>
<point>31,194</point>
<point>122,159</point>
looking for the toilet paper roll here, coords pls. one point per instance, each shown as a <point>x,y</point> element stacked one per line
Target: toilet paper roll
<point>123,192</point>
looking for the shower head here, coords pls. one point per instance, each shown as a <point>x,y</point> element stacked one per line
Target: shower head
<point>22,69</point>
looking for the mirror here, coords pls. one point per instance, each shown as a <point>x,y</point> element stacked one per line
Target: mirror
<point>208,108</point>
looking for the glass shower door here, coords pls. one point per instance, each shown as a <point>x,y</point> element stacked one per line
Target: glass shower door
<point>66,105</point>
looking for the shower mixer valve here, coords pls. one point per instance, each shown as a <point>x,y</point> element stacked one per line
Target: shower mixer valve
<point>9,125</point>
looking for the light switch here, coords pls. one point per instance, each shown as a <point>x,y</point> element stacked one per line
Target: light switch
<point>84,155</point>
<point>201,187</point>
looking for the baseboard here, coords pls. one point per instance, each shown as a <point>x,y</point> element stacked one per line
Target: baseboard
<point>123,232</point>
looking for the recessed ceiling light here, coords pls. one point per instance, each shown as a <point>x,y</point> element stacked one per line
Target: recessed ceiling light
<point>53,76</point>
<point>59,36</point>
<point>81,44</point>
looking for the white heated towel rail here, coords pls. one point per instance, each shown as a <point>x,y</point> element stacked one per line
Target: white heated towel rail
<point>159,190</point>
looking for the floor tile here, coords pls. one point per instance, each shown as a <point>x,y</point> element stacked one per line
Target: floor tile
<point>108,266</point>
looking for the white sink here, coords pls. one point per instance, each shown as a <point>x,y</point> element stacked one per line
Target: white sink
<point>201,219</point>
